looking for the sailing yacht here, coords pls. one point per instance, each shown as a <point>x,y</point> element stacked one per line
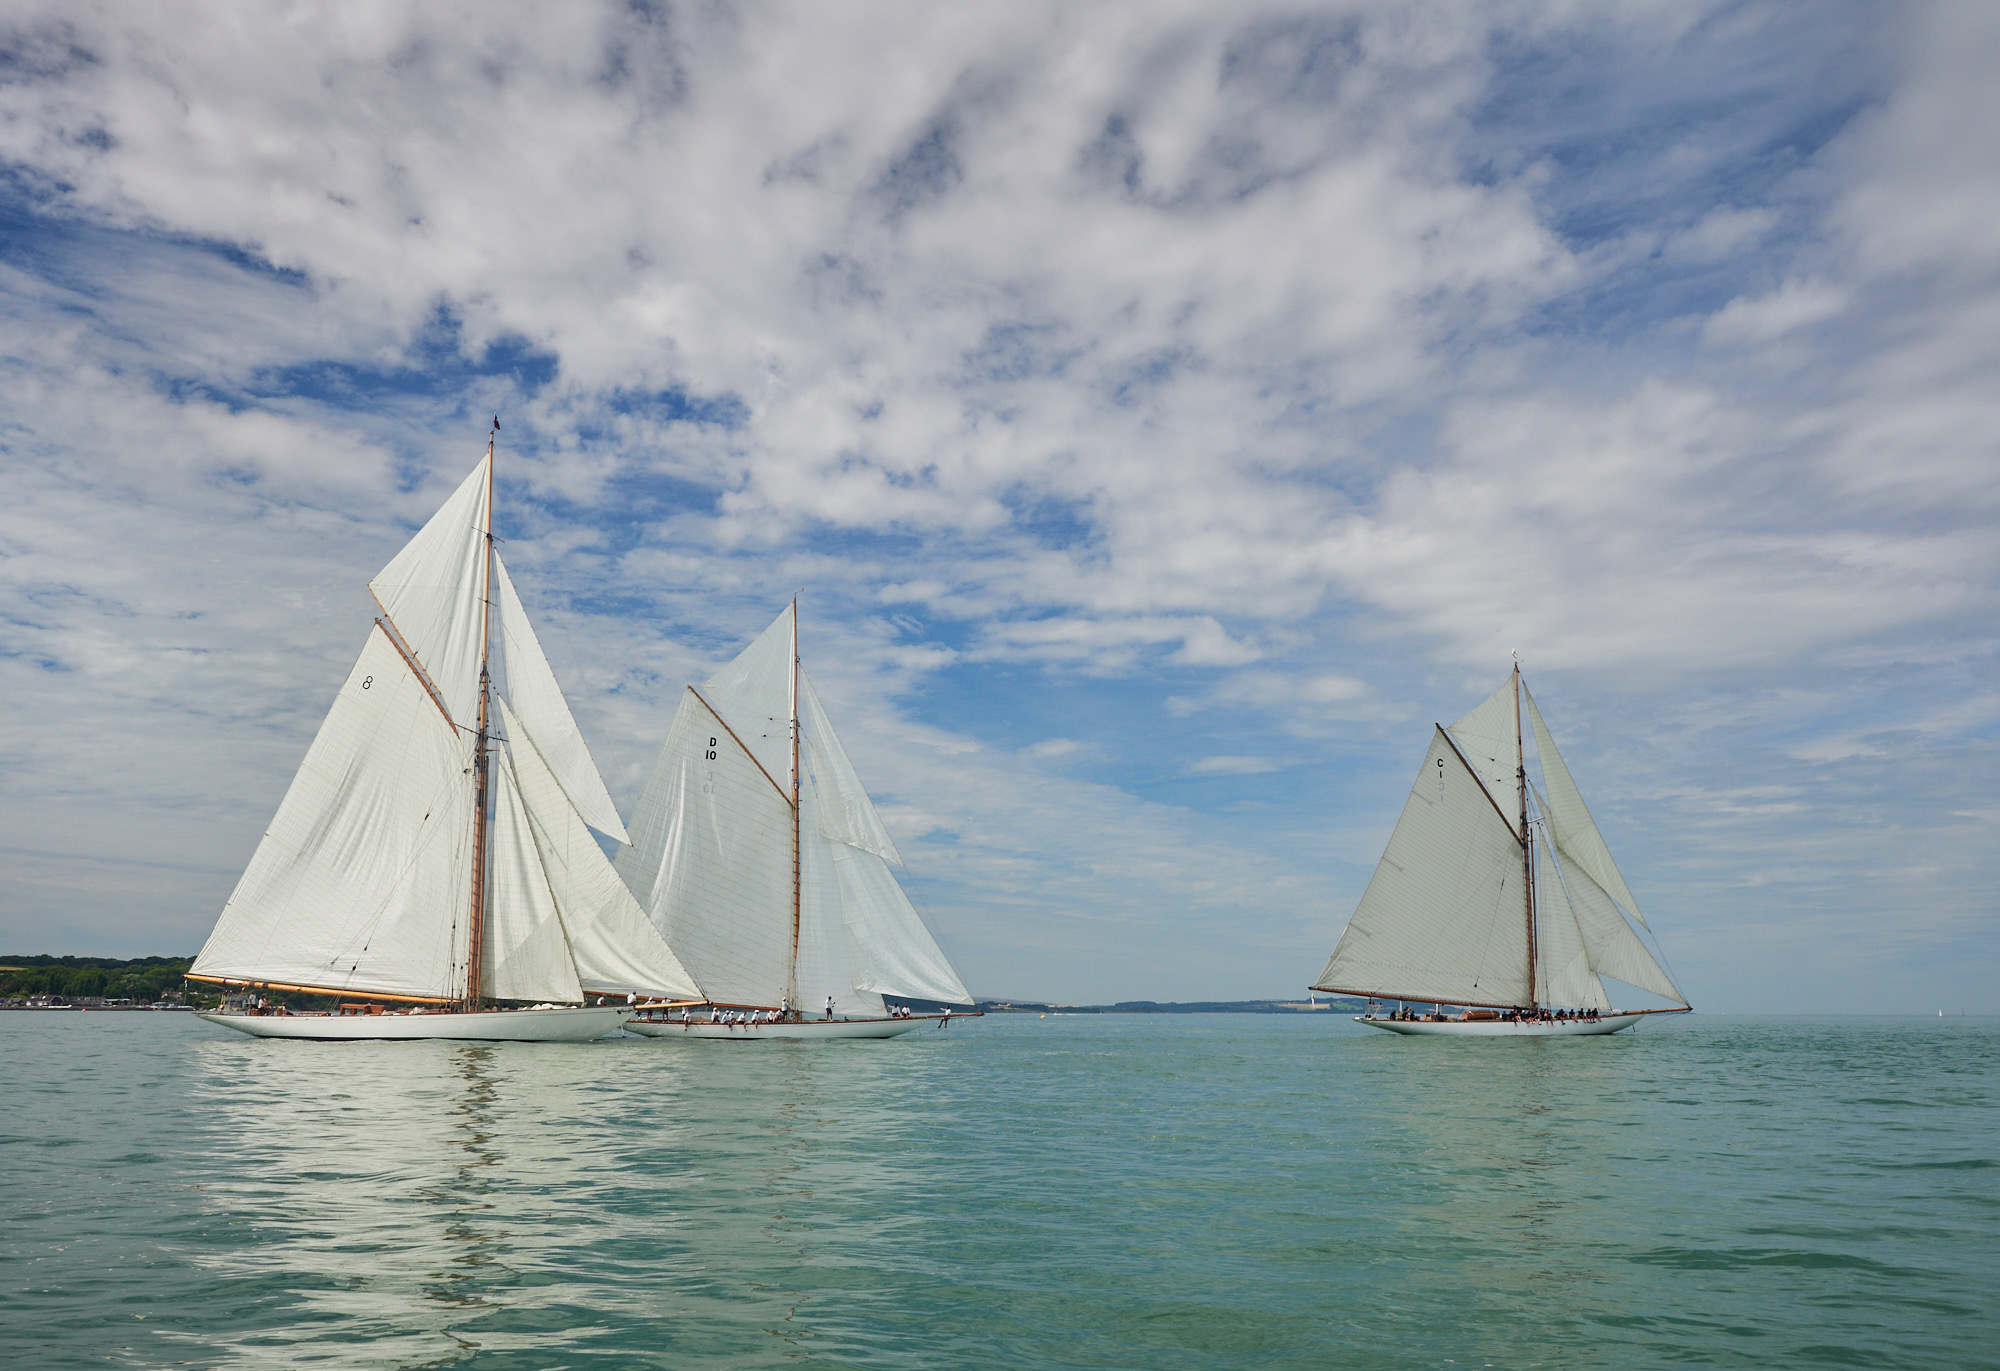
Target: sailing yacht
<point>1497,896</point>
<point>432,863</point>
<point>762,862</point>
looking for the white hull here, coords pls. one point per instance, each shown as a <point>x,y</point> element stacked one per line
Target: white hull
<point>579,1025</point>
<point>815,1030</point>
<point>1496,1028</point>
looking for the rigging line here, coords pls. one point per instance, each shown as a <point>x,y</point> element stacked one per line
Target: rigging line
<point>740,743</point>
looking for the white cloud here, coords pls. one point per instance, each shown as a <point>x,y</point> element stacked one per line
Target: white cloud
<point>1283,358</point>
<point>1235,766</point>
<point>1796,304</point>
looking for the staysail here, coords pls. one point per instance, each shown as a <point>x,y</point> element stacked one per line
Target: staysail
<point>527,955</point>
<point>1563,971</point>
<point>1576,834</point>
<point>1444,917</point>
<point>711,854</point>
<point>544,715</point>
<point>1610,946</point>
<point>610,943</point>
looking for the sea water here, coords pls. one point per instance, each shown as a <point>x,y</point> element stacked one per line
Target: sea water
<point>1071,1191</point>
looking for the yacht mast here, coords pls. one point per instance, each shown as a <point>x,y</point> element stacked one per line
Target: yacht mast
<point>1527,846</point>
<point>792,973</point>
<point>476,947</point>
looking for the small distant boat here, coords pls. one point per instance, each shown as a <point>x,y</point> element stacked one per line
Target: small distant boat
<point>1512,919</point>
<point>421,869</point>
<point>776,895</point>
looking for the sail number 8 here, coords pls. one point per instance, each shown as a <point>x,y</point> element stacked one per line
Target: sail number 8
<point>367,681</point>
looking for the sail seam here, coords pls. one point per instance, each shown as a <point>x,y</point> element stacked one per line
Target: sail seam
<point>395,637</point>
<point>740,743</point>
<point>1481,784</point>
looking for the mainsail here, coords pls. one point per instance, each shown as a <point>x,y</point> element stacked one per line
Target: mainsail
<point>712,856</point>
<point>1441,919</point>
<point>1458,913</point>
<point>362,878</point>
<point>364,882</point>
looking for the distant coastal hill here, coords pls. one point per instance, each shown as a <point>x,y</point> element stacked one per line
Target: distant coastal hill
<point>147,980</point>
<point>1321,1004</point>
<point>143,980</point>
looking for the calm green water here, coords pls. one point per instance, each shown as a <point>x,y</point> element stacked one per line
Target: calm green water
<point>1119,1191</point>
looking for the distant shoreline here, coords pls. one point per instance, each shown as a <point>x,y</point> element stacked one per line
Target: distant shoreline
<point>1174,1007</point>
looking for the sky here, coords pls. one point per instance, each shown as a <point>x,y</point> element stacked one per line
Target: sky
<point>1164,413</point>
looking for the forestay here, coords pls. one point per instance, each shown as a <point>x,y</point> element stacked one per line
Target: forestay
<point>1445,916</point>
<point>363,878</point>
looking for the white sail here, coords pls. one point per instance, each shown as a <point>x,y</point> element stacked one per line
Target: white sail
<point>526,955</point>
<point>613,946</point>
<point>1563,972</point>
<point>1488,739</point>
<point>363,881</point>
<point>710,860</point>
<point>1615,950</point>
<point>544,714</point>
<point>433,593</point>
<point>890,951</point>
<point>754,693</point>
<point>826,964</point>
<point>1576,833</point>
<point>845,813</point>
<point>1445,916</point>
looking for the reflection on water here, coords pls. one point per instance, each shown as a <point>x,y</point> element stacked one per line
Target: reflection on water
<point>436,1200</point>
<point>1509,1154</point>
<point>1105,1192</point>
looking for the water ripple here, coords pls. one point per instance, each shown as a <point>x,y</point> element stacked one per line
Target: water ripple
<point>1070,1192</point>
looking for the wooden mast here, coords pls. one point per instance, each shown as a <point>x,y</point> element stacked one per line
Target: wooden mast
<point>792,976</point>
<point>1527,844</point>
<point>480,779</point>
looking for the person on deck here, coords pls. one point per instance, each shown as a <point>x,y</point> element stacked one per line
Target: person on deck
<point>829,1006</point>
